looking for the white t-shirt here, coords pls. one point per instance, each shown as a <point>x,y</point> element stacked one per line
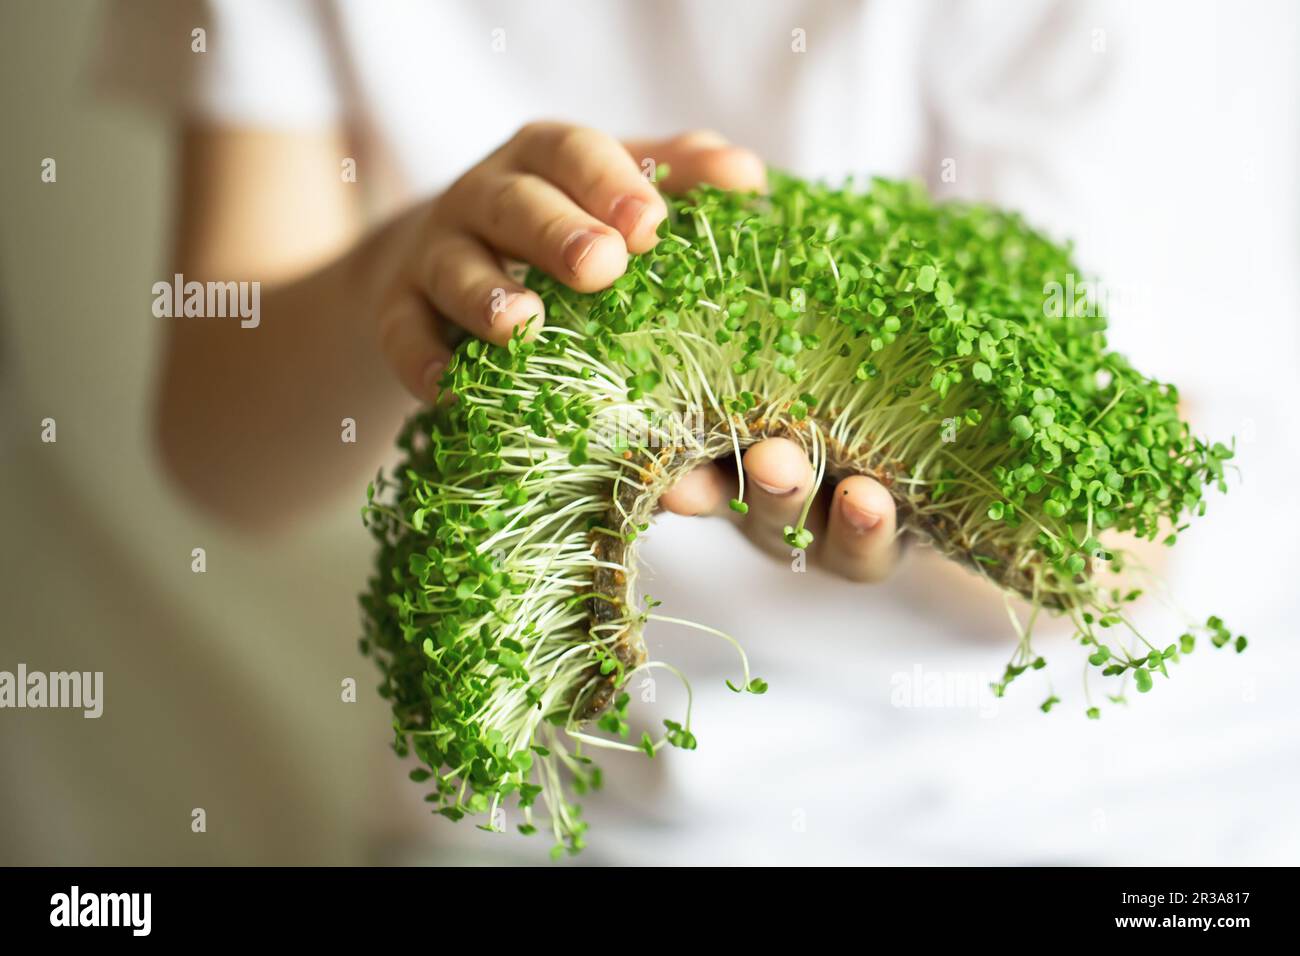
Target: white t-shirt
<point>1083,115</point>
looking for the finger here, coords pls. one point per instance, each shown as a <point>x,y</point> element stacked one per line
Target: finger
<point>861,537</point>
<point>466,284</point>
<point>702,156</point>
<point>779,480</point>
<point>598,174</point>
<point>524,216</point>
<point>703,491</point>
<point>409,341</point>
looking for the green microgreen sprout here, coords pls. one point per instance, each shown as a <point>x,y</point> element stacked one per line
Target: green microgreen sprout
<point>889,336</point>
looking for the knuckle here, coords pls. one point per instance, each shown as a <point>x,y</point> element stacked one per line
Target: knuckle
<point>504,198</point>
<point>456,203</point>
<point>529,131</point>
<point>571,142</point>
<point>536,132</point>
<point>556,228</point>
<point>701,138</point>
<point>577,155</point>
<point>602,181</point>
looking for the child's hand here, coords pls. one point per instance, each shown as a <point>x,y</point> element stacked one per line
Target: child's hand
<point>572,201</point>
<point>575,202</point>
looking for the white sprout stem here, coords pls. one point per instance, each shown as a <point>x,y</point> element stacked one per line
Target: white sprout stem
<point>695,625</point>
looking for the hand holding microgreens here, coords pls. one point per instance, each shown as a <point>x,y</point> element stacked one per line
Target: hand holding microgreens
<point>888,335</point>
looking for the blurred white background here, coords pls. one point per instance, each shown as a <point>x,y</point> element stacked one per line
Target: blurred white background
<point>223,688</point>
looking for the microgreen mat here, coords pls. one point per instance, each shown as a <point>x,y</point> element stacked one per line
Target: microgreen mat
<point>888,335</point>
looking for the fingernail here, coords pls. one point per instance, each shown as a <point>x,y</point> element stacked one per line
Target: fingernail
<point>432,373</point>
<point>499,304</point>
<point>859,520</point>
<point>577,247</point>
<point>627,214</point>
<point>773,489</point>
